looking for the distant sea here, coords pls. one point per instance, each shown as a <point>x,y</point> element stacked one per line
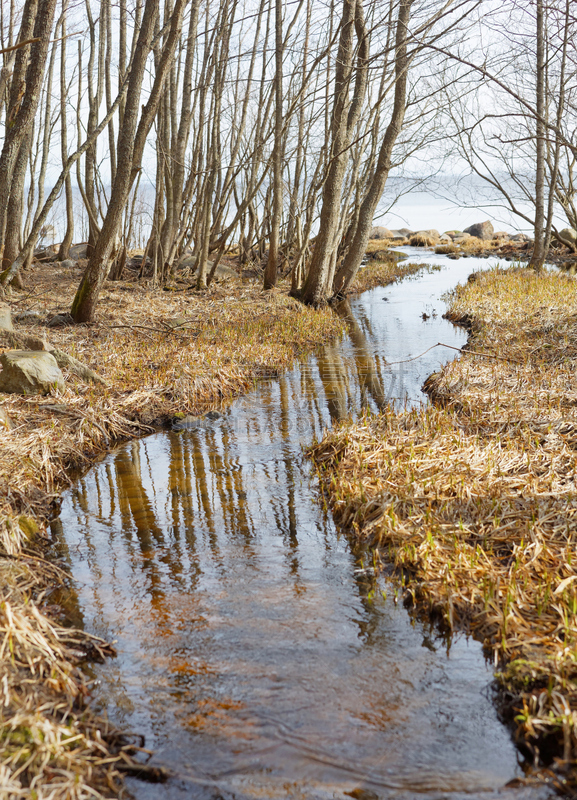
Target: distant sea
<point>443,203</point>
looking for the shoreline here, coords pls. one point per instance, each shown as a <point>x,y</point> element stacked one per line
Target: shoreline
<point>473,499</point>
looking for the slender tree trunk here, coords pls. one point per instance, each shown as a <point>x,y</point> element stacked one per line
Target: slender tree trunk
<point>64,250</point>
<point>364,220</point>
<point>25,94</point>
<point>538,257</point>
<point>131,143</point>
<point>344,119</point>
<point>271,271</point>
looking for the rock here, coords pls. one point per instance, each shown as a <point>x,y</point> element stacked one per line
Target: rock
<point>78,251</point>
<point>398,237</point>
<point>22,341</point>
<point>60,320</point>
<point>77,368</point>
<point>384,255</point>
<point>5,319</point>
<point>69,263</point>
<point>430,234</point>
<point>406,232</point>
<point>187,423</point>
<point>29,372</point>
<point>520,237</point>
<point>45,254</point>
<point>379,232</point>
<point>5,421</point>
<point>482,230</point>
<point>461,237</point>
<point>28,316</point>
<point>570,235</point>
<point>444,237</point>
<point>501,235</point>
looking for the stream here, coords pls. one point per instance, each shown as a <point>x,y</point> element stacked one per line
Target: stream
<point>256,651</point>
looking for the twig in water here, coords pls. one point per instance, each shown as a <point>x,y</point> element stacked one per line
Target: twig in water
<point>459,350</point>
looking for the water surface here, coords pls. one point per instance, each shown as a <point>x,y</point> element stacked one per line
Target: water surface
<point>256,651</point>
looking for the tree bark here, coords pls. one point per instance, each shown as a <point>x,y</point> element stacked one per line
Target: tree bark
<point>364,220</point>
<point>131,142</point>
<point>538,257</point>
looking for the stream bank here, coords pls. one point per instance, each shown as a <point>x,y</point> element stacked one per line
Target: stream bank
<point>258,651</point>
<point>473,500</point>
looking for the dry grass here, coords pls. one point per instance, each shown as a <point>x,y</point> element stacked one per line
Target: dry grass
<point>160,353</point>
<point>420,240</point>
<point>381,273</point>
<point>475,502</point>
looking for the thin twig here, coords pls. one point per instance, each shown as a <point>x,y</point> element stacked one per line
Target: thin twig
<point>463,350</point>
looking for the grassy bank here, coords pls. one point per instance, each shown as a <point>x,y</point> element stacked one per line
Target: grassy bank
<point>474,499</point>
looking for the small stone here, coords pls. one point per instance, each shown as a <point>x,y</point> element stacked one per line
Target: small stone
<point>60,320</point>
<point>186,423</point>
<point>29,372</point>
<point>5,319</point>
<point>28,316</point>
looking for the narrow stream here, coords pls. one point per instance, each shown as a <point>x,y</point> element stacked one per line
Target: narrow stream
<point>255,652</point>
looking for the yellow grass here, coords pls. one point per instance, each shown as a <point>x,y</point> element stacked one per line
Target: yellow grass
<point>381,273</point>
<point>475,501</point>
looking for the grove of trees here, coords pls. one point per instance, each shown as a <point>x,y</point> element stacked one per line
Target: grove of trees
<point>273,125</point>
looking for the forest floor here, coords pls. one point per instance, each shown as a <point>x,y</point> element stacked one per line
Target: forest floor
<point>472,501</point>
<point>160,354</point>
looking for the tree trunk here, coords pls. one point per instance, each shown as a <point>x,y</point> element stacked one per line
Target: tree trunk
<point>538,257</point>
<point>364,220</point>
<point>131,142</point>
<point>271,271</point>
<point>344,118</point>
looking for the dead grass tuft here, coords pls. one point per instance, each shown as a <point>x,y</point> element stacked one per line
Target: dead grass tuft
<point>381,273</point>
<point>475,501</point>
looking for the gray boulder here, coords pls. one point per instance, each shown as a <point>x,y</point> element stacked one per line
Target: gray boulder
<point>29,372</point>
<point>78,251</point>
<point>482,230</point>
<point>379,232</point>
<point>570,235</point>
<point>5,319</point>
<point>22,341</point>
